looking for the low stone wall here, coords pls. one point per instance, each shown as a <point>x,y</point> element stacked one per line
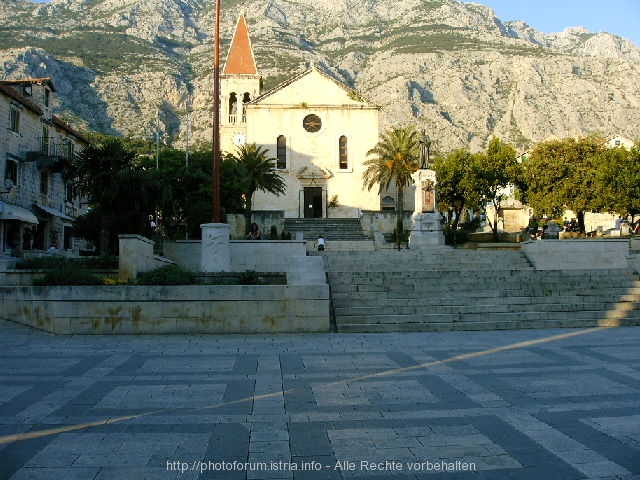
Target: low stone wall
<point>136,255</point>
<point>164,310</point>
<point>264,218</point>
<point>383,221</point>
<point>578,254</point>
<point>258,255</point>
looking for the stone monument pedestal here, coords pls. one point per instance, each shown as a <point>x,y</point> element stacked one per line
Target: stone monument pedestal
<point>215,255</point>
<point>427,230</point>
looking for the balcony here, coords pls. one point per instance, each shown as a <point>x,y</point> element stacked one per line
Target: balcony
<point>51,155</point>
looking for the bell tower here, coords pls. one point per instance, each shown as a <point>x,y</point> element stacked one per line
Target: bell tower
<point>240,83</point>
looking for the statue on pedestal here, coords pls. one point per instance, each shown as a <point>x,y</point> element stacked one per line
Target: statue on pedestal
<point>427,230</point>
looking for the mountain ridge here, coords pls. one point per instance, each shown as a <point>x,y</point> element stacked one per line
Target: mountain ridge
<point>450,67</point>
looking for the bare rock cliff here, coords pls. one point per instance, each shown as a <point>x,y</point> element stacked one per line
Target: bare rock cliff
<point>452,68</point>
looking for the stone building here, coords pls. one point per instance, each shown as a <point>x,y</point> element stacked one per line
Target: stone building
<point>36,206</point>
<point>317,128</point>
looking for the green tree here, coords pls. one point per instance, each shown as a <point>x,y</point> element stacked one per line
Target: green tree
<point>563,175</point>
<point>619,174</point>
<point>393,160</point>
<point>121,194</point>
<point>189,204</point>
<point>492,173</point>
<point>259,172</point>
<point>456,187</point>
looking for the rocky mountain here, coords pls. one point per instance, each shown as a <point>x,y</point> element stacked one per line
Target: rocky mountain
<point>452,68</point>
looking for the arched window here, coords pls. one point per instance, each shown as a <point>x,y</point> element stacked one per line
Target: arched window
<point>233,108</point>
<point>281,152</point>
<point>246,98</point>
<point>343,153</point>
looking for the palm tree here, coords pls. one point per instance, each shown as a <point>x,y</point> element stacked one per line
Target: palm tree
<point>120,192</point>
<point>392,161</point>
<point>259,173</point>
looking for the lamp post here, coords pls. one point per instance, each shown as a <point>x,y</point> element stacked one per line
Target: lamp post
<point>216,119</point>
<point>425,146</point>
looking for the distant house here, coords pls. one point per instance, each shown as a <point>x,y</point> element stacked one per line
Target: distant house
<point>619,141</point>
<point>36,205</point>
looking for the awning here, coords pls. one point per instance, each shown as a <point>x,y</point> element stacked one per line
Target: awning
<point>9,211</point>
<point>55,213</point>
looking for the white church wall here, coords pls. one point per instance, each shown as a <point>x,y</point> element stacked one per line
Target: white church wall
<point>313,157</point>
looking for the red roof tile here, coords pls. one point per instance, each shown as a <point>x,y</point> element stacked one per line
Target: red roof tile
<point>240,60</point>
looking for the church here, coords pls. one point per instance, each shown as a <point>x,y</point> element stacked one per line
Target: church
<point>318,130</point>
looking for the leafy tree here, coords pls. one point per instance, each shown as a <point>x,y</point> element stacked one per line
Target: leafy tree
<point>619,175</point>
<point>563,175</point>
<point>259,173</point>
<point>456,186</point>
<point>393,160</point>
<point>119,191</point>
<point>189,204</point>
<point>491,174</point>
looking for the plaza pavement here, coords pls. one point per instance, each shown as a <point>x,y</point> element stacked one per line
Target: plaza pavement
<point>529,404</point>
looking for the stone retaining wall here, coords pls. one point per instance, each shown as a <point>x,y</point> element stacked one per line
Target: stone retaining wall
<point>578,254</point>
<point>176,309</point>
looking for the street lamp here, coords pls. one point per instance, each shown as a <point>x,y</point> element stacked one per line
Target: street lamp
<point>425,146</point>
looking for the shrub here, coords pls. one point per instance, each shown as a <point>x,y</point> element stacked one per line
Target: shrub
<point>166,275</point>
<point>103,262</point>
<point>68,275</point>
<point>249,277</point>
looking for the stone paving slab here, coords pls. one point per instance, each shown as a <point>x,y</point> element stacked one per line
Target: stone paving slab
<point>530,404</point>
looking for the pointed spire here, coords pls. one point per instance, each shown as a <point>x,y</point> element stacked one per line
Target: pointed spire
<point>240,60</point>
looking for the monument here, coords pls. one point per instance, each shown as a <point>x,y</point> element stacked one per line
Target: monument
<point>215,254</point>
<point>426,227</point>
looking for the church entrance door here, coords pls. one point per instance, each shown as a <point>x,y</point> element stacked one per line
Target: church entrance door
<point>313,202</point>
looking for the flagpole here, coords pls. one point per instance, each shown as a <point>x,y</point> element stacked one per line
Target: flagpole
<point>216,119</point>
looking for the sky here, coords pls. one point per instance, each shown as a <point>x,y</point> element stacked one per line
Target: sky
<point>621,17</point>
<point>614,16</point>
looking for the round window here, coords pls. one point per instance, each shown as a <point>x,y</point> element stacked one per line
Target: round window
<point>312,123</point>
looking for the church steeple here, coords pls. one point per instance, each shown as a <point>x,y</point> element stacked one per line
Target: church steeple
<point>240,83</point>
<point>240,60</point>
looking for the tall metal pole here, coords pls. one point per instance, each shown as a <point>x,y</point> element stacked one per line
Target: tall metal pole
<point>186,153</point>
<point>216,119</point>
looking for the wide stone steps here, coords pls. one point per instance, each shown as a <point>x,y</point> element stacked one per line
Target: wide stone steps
<point>379,312</point>
<point>448,289</point>
<point>446,326</point>
<point>332,229</point>
<point>442,259</point>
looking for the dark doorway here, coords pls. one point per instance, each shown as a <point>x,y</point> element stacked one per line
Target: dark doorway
<point>67,238</point>
<point>313,202</point>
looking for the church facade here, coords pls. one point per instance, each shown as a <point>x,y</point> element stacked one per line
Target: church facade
<point>318,130</point>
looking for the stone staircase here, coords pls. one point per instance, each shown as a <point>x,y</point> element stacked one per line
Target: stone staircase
<point>333,229</point>
<point>455,289</point>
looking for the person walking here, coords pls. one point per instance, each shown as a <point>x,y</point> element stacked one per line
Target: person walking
<point>321,243</point>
